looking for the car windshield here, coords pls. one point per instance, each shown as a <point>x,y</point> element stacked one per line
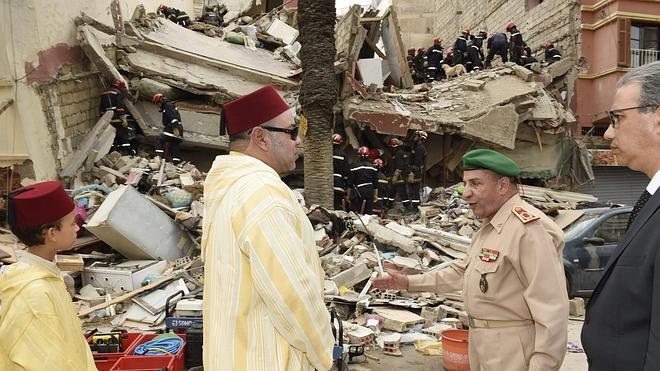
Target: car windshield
<point>579,225</point>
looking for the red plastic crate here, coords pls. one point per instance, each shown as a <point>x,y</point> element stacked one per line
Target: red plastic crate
<point>144,363</point>
<point>105,361</point>
<point>178,358</point>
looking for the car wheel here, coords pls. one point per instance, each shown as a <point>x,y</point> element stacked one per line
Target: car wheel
<point>568,286</point>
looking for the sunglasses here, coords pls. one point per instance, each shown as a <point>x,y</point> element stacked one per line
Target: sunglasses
<point>614,114</point>
<point>293,132</point>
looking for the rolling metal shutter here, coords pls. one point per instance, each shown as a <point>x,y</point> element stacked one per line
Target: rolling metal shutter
<point>617,184</point>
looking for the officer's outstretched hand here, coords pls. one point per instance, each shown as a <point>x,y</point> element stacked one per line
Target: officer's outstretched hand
<point>391,281</point>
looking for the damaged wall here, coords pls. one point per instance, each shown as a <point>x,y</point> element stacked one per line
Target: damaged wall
<point>37,45</point>
<point>552,20</point>
<point>417,19</point>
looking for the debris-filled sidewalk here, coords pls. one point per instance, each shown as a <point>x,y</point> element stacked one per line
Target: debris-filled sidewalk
<point>137,266</point>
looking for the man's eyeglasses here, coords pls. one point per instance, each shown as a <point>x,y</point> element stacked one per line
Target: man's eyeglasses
<point>293,132</point>
<point>614,114</point>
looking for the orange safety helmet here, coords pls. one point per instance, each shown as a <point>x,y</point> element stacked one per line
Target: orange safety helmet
<point>437,40</point>
<point>548,45</point>
<point>421,50</point>
<point>394,142</point>
<point>158,98</point>
<point>337,139</point>
<point>510,26</point>
<point>363,151</point>
<point>466,31</point>
<point>378,162</point>
<point>118,84</point>
<point>411,51</point>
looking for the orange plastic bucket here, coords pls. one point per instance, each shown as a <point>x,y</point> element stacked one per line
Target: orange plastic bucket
<point>455,350</point>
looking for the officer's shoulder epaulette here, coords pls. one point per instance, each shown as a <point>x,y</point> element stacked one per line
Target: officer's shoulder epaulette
<point>524,215</point>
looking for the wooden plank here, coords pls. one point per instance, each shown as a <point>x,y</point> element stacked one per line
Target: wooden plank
<point>375,48</point>
<point>126,296</point>
<point>82,152</point>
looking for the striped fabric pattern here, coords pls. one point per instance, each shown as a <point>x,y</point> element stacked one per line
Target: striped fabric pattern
<point>263,282</point>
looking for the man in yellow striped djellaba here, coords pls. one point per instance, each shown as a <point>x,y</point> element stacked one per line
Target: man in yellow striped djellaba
<point>263,281</point>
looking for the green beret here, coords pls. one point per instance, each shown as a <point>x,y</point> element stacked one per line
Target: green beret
<point>490,160</point>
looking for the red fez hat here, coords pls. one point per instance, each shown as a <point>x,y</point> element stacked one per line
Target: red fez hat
<point>253,109</point>
<point>38,204</point>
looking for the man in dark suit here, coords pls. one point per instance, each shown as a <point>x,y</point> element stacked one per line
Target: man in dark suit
<point>622,326</point>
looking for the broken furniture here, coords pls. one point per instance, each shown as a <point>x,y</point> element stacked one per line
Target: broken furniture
<point>135,227</point>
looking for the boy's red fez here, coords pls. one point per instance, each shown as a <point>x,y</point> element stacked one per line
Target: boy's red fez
<point>253,109</point>
<point>38,204</point>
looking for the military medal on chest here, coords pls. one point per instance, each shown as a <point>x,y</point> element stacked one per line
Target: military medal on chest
<point>483,283</point>
<point>488,256</point>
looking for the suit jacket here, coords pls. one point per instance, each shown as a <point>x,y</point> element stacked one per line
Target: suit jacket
<point>622,325</point>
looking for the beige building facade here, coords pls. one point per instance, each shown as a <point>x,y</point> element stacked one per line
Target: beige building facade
<point>53,89</point>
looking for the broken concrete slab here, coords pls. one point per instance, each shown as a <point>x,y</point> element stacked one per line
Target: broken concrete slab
<point>94,51</point>
<point>261,61</point>
<point>544,109</point>
<point>397,319</point>
<point>499,126</point>
<point>352,276</point>
<point>561,67</point>
<point>389,237</point>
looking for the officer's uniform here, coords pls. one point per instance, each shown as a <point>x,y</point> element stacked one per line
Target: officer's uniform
<point>497,44</point>
<point>421,60</point>
<point>340,176</point>
<point>398,173</point>
<point>514,289</point>
<point>474,60</point>
<point>112,99</point>
<point>383,192</point>
<point>516,46</point>
<point>552,55</point>
<point>418,158</point>
<point>172,132</point>
<point>460,47</point>
<point>435,58</point>
<point>363,180</point>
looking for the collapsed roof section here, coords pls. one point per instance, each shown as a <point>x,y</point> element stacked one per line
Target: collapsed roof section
<point>522,112</point>
<point>200,72</point>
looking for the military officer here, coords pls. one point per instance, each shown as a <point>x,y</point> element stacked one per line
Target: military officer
<point>512,278</point>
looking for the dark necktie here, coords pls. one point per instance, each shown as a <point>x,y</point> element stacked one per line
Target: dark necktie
<point>639,205</point>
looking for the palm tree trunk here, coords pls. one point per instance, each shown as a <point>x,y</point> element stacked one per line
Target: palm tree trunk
<point>318,96</point>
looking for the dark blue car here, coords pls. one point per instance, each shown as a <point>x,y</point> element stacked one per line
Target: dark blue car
<point>590,241</point>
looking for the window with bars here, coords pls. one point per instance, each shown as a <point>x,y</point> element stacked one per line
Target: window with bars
<point>644,46</point>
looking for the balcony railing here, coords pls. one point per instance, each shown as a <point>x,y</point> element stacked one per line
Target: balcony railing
<point>641,57</point>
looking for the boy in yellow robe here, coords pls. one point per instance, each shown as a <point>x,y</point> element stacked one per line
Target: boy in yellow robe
<point>39,329</point>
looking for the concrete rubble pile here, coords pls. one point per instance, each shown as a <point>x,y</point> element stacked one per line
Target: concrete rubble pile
<point>412,244</point>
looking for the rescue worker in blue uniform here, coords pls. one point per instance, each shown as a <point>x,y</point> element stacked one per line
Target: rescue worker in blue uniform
<point>497,44</point>
<point>363,182</point>
<point>460,47</point>
<point>398,173</point>
<point>340,172</point>
<point>421,63</point>
<point>552,55</point>
<point>175,15</point>
<point>417,162</point>
<point>112,99</point>
<point>172,133</point>
<point>410,58</point>
<point>435,58</point>
<point>383,190</point>
<point>516,44</point>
